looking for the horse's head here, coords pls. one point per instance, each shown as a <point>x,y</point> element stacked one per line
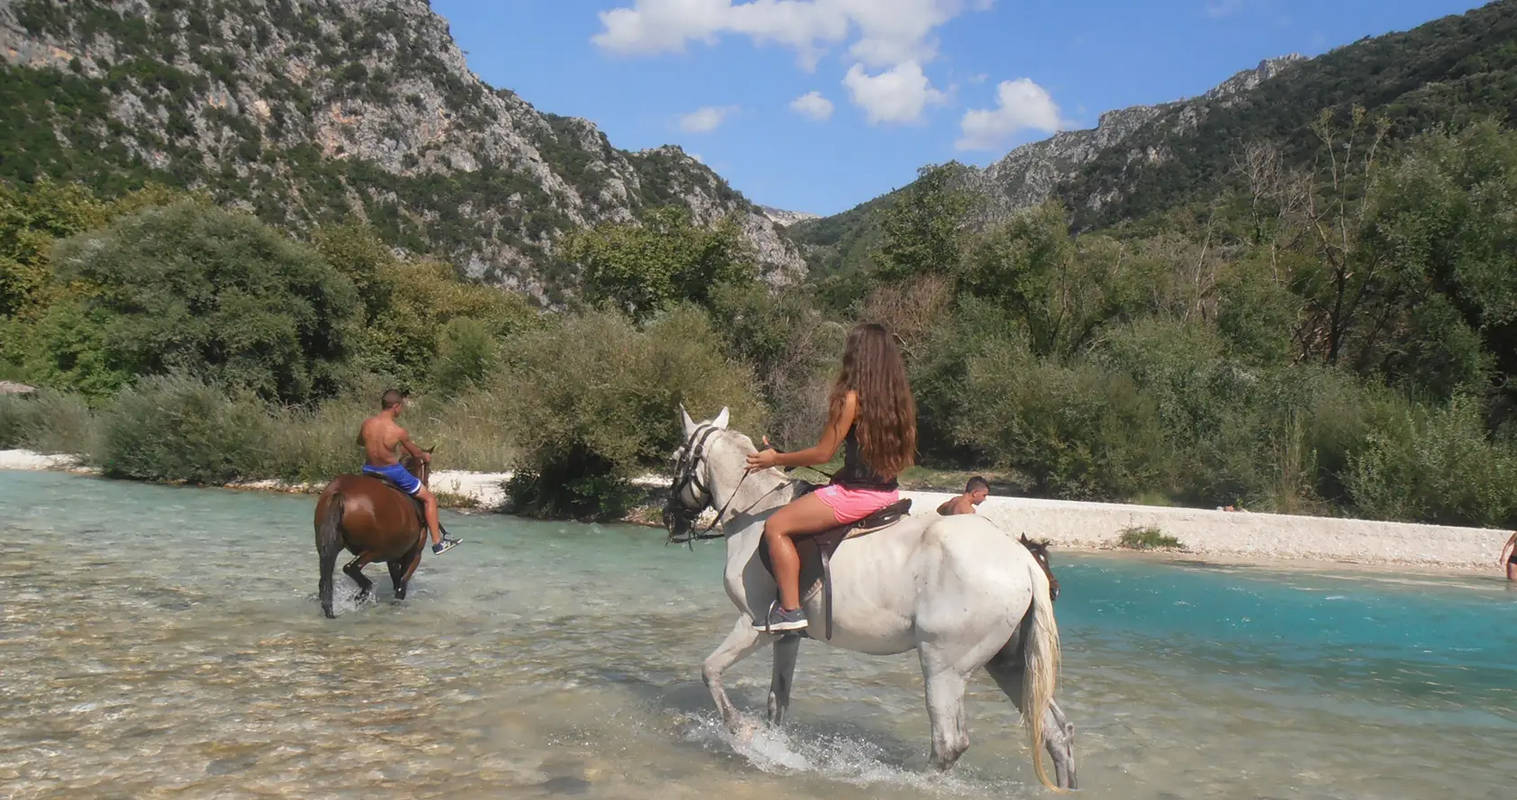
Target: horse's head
<point>690,493</point>
<point>1039,550</point>
<point>421,469</point>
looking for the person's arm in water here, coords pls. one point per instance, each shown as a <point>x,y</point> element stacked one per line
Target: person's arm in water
<point>819,453</point>
<point>1506,549</point>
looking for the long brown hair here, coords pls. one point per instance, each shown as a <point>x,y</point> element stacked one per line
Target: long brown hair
<point>887,416</point>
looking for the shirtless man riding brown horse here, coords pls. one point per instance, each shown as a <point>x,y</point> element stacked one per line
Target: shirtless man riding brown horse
<point>376,516</point>
<point>379,436</point>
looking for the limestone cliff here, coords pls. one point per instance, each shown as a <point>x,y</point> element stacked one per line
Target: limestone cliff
<point>307,111</point>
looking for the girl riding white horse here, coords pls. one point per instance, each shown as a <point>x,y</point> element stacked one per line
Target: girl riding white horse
<point>962,592</point>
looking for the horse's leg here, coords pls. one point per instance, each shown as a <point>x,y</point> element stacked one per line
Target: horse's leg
<point>397,579</point>
<point>785,652</point>
<point>354,570</point>
<point>1058,731</point>
<point>738,645</point>
<point>945,707</point>
<point>405,576</point>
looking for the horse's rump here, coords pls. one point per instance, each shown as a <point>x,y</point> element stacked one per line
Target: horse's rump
<point>377,516</point>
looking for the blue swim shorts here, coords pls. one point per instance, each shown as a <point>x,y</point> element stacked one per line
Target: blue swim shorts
<point>395,472</point>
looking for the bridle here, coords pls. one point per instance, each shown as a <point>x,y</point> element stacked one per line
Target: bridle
<point>680,512</point>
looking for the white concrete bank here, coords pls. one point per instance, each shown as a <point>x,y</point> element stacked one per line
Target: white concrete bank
<point>1241,534</point>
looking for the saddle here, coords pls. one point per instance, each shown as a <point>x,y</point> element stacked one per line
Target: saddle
<point>816,551</point>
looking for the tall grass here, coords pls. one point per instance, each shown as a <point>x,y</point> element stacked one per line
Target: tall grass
<point>48,422</point>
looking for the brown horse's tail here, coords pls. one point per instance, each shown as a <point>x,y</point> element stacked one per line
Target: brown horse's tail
<point>328,546</point>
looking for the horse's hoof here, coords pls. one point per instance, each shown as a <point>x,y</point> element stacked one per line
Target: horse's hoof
<point>743,729</point>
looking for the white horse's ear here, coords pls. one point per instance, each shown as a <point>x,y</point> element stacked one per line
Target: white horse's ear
<point>721,419</point>
<point>685,420</point>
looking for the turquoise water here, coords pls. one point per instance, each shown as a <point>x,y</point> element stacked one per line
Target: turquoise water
<point>163,640</point>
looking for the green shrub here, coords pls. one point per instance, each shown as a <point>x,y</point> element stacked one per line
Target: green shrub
<point>47,421</point>
<point>179,428</point>
<point>591,399</point>
<point>466,355</point>
<point>666,259</point>
<point>794,352</point>
<point>1147,539</point>
<point>1436,465</point>
<point>217,295</point>
<point>1076,431</point>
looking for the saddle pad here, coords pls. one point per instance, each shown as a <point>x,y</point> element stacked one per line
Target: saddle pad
<point>813,547</point>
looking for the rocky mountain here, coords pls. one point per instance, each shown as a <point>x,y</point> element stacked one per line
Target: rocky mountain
<point>780,216</point>
<point>1029,174</point>
<point>310,111</point>
<point>1147,159</point>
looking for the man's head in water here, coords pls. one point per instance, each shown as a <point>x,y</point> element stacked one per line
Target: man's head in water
<point>977,489</point>
<point>393,401</point>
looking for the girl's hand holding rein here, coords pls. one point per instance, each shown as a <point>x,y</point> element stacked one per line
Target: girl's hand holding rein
<point>764,459</point>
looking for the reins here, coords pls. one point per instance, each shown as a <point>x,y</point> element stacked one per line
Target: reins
<point>687,474</point>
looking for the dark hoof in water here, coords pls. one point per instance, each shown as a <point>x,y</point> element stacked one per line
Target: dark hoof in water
<point>361,597</point>
<point>328,613</point>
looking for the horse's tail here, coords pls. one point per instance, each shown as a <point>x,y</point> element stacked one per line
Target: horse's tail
<point>1040,667</point>
<point>328,545</point>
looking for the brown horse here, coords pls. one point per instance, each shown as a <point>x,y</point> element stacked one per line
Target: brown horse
<point>376,522</point>
<point>1039,550</point>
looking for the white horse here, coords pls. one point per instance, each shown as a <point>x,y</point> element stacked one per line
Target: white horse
<point>960,591</point>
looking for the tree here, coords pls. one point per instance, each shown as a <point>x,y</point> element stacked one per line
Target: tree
<point>666,258</point>
<point>593,398</point>
<point>1060,288</point>
<point>214,294</point>
<point>922,228</point>
<point>1441,221</point>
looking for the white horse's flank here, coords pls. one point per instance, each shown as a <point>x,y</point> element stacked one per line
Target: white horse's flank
<point>959,590</point>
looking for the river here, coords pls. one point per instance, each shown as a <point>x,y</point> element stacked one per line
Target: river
<point>162,641</point>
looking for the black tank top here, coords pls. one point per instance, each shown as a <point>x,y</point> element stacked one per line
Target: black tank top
<point>855,474</point>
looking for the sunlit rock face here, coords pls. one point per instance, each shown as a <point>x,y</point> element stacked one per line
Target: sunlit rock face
<point>307,111</point>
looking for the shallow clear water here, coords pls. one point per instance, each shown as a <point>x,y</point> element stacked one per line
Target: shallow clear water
<point>158,641</point>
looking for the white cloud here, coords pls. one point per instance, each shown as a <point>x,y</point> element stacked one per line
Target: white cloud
<point>812,105</point>
<point>897,95</point>
<point>885,32</point>
<point>1020,105</point>
<point>706,120</point>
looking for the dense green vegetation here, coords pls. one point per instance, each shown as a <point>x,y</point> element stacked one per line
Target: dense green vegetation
<point>1337,339</point>
<point>177,340</point>
<point>1323,322</point>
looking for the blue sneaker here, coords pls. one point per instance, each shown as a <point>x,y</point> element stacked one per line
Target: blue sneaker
<point>444,545</point>
<point>779,620</point>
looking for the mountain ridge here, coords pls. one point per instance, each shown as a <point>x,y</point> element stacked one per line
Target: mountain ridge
<point>315,111</point>
<point>1144,160</point>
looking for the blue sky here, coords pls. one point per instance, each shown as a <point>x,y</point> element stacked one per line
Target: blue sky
<point>897,83</point>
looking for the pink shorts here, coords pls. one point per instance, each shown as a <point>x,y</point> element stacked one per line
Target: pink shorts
<point>851,505</point>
